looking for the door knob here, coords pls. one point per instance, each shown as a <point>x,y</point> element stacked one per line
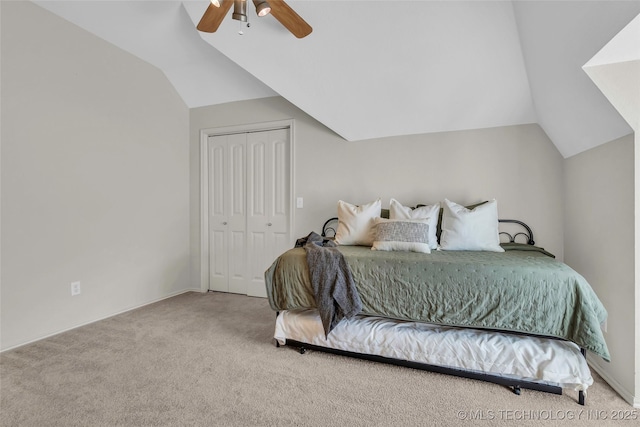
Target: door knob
<point>269,224</point>
<point>224,223</point>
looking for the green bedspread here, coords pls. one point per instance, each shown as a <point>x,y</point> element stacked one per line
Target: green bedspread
<point>516,290</point>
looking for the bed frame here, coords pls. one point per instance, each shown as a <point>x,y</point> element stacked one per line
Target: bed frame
<point>329,227</point>
<point>329,231</point>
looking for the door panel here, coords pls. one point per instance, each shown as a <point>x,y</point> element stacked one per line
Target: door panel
<point>281,243</point>
<point>268,212</point>
<point>237,264</point>
<point>257,250</point>
<point>218,267</point>
<point>237,183</point>
<point>249,207</point>
<point>279,212</point>
<point>218,257</point>
<point>217,171</point>
<point>257,178</point>
<point>227,194</point>
<point>237,214</point>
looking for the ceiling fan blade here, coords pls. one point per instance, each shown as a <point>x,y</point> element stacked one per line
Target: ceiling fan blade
<point>290,19</point>
<point>213,16</point>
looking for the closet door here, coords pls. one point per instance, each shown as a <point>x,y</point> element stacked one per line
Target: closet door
<point>227,210</point>
<point>268,201</point>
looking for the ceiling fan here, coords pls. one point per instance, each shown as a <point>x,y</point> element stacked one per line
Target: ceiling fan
<point>280,10</point>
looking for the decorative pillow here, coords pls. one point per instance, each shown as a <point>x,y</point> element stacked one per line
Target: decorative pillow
<point>470,229</point>
<point>355,223</point>
<point>398,211</point>
<point>401,235</point>
<point>439,227</point>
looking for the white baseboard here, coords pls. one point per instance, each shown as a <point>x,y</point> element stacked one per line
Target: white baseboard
<point>619,388</point>
<point>183,291</point>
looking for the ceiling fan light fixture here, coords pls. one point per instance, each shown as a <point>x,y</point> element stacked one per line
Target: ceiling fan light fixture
<point>262,7</point>
<point>240,10</point>
<point>213,16</point>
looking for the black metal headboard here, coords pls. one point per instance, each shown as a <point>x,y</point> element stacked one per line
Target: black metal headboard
<point>528,234</point>
<point>331,225</point>
<point>332,229</point>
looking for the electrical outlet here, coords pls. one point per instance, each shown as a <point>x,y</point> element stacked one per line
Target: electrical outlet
<point>299,202</point>
<point>75,288</point>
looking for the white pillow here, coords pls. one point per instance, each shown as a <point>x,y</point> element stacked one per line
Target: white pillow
<point>398,211</point>
<point>470,230</point>
<point>355,223</point>
<point>401,235</point>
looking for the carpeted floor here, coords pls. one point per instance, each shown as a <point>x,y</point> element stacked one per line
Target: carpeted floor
<point>209,360</point>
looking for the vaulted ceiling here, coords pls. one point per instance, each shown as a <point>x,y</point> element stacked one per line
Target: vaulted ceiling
<point>377,68</point>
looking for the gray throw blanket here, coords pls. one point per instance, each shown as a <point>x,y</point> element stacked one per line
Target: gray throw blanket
<point>333,285</point>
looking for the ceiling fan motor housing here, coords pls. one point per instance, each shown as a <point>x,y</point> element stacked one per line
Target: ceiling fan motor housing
<point>240,10</point>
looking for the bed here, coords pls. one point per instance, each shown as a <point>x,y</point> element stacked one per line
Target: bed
<point>514,316</point>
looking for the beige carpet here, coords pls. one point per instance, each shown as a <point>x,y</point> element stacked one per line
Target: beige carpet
<point>209,360</point>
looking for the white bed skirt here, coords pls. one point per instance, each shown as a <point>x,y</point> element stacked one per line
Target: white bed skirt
<point>536,359</point>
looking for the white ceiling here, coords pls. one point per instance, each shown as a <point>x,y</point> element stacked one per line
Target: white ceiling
<point>616,68</point>
<point>377,68</point>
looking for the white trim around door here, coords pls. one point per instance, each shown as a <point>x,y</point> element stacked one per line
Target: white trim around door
<point>204,182</point>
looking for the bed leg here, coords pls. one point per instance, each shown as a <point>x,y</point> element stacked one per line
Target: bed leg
<point>516,390</point>
<point>581,392</point>
<point>277,342</point>
<point>302,350</point>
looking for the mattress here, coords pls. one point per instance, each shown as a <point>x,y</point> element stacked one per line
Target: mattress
<point>536,359</point>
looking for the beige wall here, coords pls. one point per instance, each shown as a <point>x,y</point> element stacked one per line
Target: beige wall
<point>517,165</point>
<point>599,243</point>
<point>94,178</point>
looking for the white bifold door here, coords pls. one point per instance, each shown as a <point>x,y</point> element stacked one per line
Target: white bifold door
<point>249,204</point>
